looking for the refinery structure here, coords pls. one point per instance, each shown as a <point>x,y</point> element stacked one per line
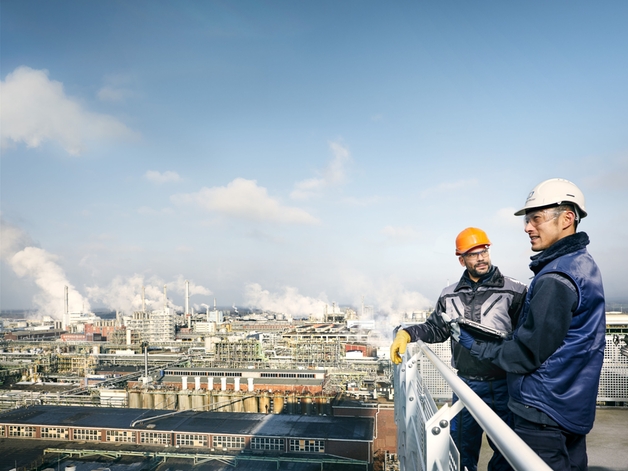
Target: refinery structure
<point>325,373</point>
<point>218,389</point>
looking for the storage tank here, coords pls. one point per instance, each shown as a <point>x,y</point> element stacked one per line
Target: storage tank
<point>160,400</point>
<point>278,402</point>
<point>171,400</point>
<point>264,403</point>
<point>135,400</point>
<point>306,405</point>
<point>148,400</point>
<point>250,404</point>
<point>198,401</point>
<point>237,405</point>
<point>223,402</point>
<point>184,400</point>
<point>292,403</point>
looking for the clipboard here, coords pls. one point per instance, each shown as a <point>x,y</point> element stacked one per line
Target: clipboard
<point>480,330</point>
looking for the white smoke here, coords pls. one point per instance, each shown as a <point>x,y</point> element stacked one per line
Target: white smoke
<point>388,299</point>
<point>288,302</point>
<point>125,294</point>
<point>26,260</point>
<point>179,287</point>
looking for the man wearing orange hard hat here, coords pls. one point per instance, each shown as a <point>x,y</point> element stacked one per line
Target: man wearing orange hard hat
<point>485,296</point>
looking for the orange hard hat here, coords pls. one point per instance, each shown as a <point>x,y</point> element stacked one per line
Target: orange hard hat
<point>469,238</point>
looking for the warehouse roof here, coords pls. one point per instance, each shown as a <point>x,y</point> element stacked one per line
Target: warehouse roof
<point>231,423</point>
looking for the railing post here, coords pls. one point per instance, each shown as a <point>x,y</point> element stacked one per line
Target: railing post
<point>437,438</point>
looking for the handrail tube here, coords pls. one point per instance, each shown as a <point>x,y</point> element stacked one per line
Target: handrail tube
<point>520,456</point>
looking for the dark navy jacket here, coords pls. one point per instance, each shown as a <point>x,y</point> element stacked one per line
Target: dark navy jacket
<point>555,357</point>
<point>565,386</point>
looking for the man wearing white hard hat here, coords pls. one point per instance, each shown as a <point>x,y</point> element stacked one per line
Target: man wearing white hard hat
<point>555,355</point>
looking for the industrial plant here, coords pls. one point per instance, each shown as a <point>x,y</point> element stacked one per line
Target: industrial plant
<point>219,389</point>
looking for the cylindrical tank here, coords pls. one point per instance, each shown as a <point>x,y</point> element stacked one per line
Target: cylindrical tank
<point>160,400</point>
<point>148,400</point>
<point>184,400</point>
<point>171,400</point>
<point>278,401</point>
<point>198,401</point>
<point>292,403</point>
<point>250,404</point>
<point>306,405</point>
<point>264,403</point>
<point>237,405</point>
<point>135,400</point>
<point>223,402</point>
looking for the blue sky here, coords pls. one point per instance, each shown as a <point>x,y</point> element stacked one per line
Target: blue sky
<point>285,155</point>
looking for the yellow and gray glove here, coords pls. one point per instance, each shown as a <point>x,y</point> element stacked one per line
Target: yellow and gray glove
<point>398,346</point>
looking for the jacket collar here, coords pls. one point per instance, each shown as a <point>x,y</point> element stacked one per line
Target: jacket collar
<point>564,246</point>
<point>492,278</point>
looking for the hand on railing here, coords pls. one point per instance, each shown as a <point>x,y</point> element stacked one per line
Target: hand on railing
<point>399,346</point>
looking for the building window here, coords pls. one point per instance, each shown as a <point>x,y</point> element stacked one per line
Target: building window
<point>155,438</point>
<point>227,441</point>
<point>54,432</point>
<point>267,443</point>
<point>87,434</point>
<point>21,431</point>
<point>120,436</point>
<point>308,446</point>
<point>186,439</point>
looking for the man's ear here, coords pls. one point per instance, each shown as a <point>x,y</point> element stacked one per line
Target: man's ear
<point>461,260</point>
<point>568,219</point>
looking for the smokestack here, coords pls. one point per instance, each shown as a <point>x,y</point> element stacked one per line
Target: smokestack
<point>187,297</point>
<point>66,308</point>
<point>187,304</point>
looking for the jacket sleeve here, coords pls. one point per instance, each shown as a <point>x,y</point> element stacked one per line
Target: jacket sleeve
<point>433,330</point>
<point>543,330</point>
<point>517,306</point>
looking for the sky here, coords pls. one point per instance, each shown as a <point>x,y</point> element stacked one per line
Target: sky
<point>289,155</point>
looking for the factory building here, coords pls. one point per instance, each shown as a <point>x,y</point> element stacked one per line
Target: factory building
<point>311,437</point>
<point>245,379</point>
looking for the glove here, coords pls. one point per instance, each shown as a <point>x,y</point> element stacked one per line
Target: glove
<point>465,339</point>
<point>454,331</point>
<point>399,345</point>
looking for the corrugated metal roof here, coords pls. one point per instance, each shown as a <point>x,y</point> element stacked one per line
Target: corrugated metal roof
<point>229,423</point>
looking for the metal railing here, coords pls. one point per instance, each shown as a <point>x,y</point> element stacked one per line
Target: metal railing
<point>423,430</point>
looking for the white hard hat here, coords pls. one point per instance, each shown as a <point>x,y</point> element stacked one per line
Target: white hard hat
<point>554,191</point>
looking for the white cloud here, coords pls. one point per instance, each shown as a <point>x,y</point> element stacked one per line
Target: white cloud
<point>400,233</point>
<point>506,217</point>
<point>41,267</point>
<point>35,109</point>
<point>245,199</point>
<point>288,302</point>
<point>333,174</point>
<point>115,90</point>
<point>449,187</point>
<point>147,211</point>
<point>158,177</point>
